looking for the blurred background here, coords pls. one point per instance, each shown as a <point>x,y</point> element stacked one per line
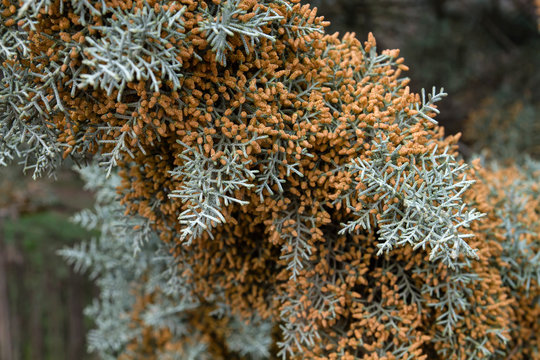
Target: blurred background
<point>485,53</point>
<point>41,298</point>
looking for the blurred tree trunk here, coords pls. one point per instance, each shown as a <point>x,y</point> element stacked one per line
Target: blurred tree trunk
<point>36,322</point>
<point>355,9</point>
<point>6,351</point>
<point>17,298</point>
<point>56,344</point>
<point>438,8</point>
<point>75,314</point>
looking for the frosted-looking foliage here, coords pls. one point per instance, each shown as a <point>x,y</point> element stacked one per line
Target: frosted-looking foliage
<point>124,278</point>
<point>427,208</point>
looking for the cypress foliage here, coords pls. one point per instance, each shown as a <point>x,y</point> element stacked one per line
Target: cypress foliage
<point>308,203</point>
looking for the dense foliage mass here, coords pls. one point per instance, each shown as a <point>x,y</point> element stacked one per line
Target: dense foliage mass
<point>306,202</point>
